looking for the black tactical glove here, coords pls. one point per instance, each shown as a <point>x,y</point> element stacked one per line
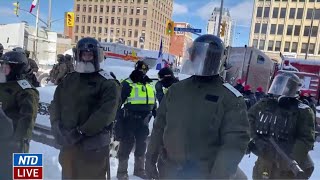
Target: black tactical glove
<point>73,136</point>
<point>150,166</point>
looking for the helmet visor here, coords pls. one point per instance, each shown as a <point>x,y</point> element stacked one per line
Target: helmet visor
<point>284,86</point>
<point>205,59</point>
<point>88,58</point>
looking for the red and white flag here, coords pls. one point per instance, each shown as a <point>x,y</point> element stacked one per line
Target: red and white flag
<point>33,5</point>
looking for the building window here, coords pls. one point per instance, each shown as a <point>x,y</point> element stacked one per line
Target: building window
<point>138,11</point>
<point>270,45</point>
<point>107,9</point>
<point>118,21</point>
<point>111,31</point>
<point>100,30</point>
<point>286,46</point>
<point>124,22</point>
<point>261,44</point>
<point>264,28</point>
<point>117,31</point>
<point>255,43</point>
<point>144,11</point>
<point>299,13</point>
<point>90,9</point>
<point>107,20</point>
<point>76,38</point>
<point>139,1</point>
<point>136,33</point>
<point>273,29</point>
<point>306,31</point>
<point>82,29</point>
<point>106,31</point>
<point>294,47</point>
<point>278,46</point>
<point>129,33</point>
<point>144,23</point>
<point>292,13</point>
<point>257,28</point>
<point>77,29</point>
<point>123,32</point>
<point>94,30</point>
<point>83,18</point>
<point>119,9</point>
<point>113,9</point>
<point>311,48</point>
<point>304,48</point>
<point>78,7</point>
<point>266,12</point>
<point>314,32</point>
<point>135,44</point>
<point>112,20</point>
<point>309,13</point>
<point>100,19</point>
<point>317,13</point>
<point>89,19</point>
<point>280,29</point>
<point>275,13</point>
<point>95,8</point>
<point>283,13</point>
<point>297,30</point>
<point>259,12</point>
<point>289,29</point>
<point>130,21</point>
<point>101,9</point>
<point>131,10</point>
<point>94,19</point>
<point>77,18</point>
<point>125,10</point>
<point>146,1</point>
<point>84,8</point>
<point>137,22</point>
<point>129,43</point>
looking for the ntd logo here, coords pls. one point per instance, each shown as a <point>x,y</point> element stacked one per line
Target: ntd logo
<point>27,166</point>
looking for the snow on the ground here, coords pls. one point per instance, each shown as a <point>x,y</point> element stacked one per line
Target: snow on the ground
<point>52,168</point>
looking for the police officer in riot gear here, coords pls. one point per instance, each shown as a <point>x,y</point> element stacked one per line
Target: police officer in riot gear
<point>289,122</point>
<point>132,127</point>
<point>19,105</point>
<point>166,79</point>
<point>201,128</point>
<point>81,122</point>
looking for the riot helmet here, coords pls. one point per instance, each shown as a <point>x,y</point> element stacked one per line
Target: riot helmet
<point>19,49</point>
<point>14,65</point>
<point>286,84</point>
<point>207,56</point>
<point>142,66</point>
<point>1,49</point>
<point>27,53</point>
<point>68,57</point>
<point>88,55</point>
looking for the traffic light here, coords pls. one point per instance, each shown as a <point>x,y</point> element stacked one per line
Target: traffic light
<point>170,27</point>
<point>16,8</point>
<point>70,19</point>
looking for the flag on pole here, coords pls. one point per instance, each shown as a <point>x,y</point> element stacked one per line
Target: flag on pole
<point>160,55</point>
<point>33,5</point>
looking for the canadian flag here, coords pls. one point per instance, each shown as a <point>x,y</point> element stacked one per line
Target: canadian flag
<point>33,5</point>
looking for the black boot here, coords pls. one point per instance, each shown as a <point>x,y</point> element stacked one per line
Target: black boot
<point>139,168</point>
<point>122,173</point>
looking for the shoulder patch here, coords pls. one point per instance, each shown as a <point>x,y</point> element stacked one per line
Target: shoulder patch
<point>232,89</point>
<point>24,84</point>
<point>303,106</point>
<point>105,74</point>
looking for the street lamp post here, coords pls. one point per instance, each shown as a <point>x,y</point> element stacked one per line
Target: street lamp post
<point>220,18</point>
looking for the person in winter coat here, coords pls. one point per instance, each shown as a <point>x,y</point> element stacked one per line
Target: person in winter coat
<point>239,85</point>
<point>82,112</point>
<point>132,126</point>
<point>19,102</point>
<point>249,96</point>
<point>201,128</point>
<point>259,94</point>
<point>290,123</point>
<point>167,78</point>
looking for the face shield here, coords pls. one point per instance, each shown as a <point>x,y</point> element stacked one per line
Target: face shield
<point>205,59</point>
<point>88,58</point>
<point>285,85</point>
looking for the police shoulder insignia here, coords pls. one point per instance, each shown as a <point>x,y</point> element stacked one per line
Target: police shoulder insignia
<point>24,84</point>
<point>232,89</point>
<point>105,74</point>
<point>303,106</point>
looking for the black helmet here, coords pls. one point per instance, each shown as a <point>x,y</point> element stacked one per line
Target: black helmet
<point>165,73</point>
<point>60,58</point>
<point>141,66</point>
<point>19,49</point>
<point>18,63</point>
<point>68,57</point>
<point>207,56</point>
<point>1,49</point>
<point>285,84</point>
<point>87,55</point>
